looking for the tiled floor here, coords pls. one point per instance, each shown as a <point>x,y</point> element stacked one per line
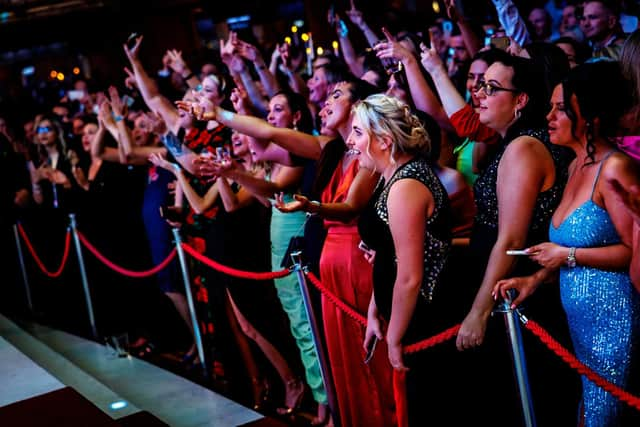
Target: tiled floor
<point>35,359</point>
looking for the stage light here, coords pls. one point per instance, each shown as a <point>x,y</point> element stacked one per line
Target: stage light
<point>60,76</point>
<point>76,70</point>
<point>305,37</point>
<point>436,6</point>
<point>294,29</point>
<point>118,404</point>
<point>287,40</point>
<point>319,50</point>
<point>53,74</point>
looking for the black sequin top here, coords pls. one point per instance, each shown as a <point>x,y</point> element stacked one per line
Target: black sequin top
<point>376,233</point>
<point>485,230</point>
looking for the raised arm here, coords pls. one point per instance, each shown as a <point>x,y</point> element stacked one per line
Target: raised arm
<point>348,52</point>
<point>268,80</point>
<point>149,90</point>
<point>178,65</point>
<point>358,20</point>
<point>298,143</point>
<point>421,93</point>
<point>512,22</point>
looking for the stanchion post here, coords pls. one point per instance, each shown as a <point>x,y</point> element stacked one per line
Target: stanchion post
<point>518,358</point>
<point>317,339</point>
<point>23,269</point>
<point>83,275</point>
<point>187,291</point>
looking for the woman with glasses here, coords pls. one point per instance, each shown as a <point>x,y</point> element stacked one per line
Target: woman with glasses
<point>515,196</point>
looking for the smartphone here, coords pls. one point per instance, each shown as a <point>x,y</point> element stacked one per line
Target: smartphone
<point>371,349</point>
<point>171,213</point>
<point>219,154</point>
<point>75,95</point>
<point>500,42</point>
<point>518,252</point>
<point>363,246</point>
<point>131,40</point>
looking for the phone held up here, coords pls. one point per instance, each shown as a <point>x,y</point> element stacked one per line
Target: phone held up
<point>500,42</point>
<point>131,40</point>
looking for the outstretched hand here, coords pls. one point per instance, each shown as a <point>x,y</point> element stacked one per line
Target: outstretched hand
<point>300,203</point>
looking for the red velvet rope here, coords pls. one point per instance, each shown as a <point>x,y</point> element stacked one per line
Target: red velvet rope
<point>582,369</point>
<point>121,270</point>
<point>232,271</point>
<point>346,308</point>
<point>65,255</point>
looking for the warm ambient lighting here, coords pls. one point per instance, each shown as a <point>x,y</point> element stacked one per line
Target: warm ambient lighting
<point>319,51</point>
<point>436,6</point>
<point>287,40</point>
<point>334,44</point>
<point>60,76</point>
<point>294,29</point>
<point>76,70</point>
<point>305,37</point>
<point>53,74</point>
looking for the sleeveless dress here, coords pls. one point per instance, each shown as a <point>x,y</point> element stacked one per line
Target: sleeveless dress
<point>554,387</point>
<point>363,391</point>
<point>603,310</point>
<point>428,391</point>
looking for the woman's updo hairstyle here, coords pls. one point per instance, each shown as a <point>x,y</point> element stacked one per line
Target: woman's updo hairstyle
<point>382,115</point>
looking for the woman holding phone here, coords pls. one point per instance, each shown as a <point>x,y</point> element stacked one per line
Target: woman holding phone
<point>407,224</point>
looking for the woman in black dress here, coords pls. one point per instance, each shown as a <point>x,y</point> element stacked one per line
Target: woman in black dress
<point>407,226</point>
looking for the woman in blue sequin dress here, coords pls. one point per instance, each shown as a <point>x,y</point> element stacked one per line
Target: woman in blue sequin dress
<point>591,237</point>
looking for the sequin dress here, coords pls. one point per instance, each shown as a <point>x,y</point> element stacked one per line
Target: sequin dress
<point>427,395</point>
<point>603,310</point>
<point>554,387</point>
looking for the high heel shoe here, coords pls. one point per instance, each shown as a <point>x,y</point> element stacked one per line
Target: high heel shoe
<point>261,390</point>
<point>294,405</point>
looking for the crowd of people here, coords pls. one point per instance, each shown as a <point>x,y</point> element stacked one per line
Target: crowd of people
<point>407,172</point>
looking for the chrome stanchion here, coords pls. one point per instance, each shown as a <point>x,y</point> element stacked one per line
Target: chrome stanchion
<point>23,269</point>
<point>83,275</point>
<point>317,339</point>
<point>518,358</point>
<point>187,291</point>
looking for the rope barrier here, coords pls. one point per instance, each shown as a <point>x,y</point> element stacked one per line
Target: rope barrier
<point>582,369</point>
<point>351,312</point>
<point>124,271</point>
<point>346,308</point>
<point>65,254</point>
<point>232,271</point>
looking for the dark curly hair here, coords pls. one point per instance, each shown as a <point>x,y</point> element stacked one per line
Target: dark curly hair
<point>602,93</point>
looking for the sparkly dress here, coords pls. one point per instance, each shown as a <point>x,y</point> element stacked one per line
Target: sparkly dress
<point>554,387</point>
<point>426,396</point>
<point>603,311</point>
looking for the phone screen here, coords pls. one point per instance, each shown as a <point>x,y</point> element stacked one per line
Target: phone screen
<point>500,42</point>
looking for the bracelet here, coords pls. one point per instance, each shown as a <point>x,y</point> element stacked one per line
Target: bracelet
<point>316,204</point>
<point>571,259</point>
<point>226,115</point>
<point>118,118</point>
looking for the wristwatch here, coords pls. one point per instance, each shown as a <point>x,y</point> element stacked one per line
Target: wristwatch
<point>571,258</point>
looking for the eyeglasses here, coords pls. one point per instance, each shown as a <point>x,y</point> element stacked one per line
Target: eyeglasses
<point>490,89</point>
<point>44,129</point>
